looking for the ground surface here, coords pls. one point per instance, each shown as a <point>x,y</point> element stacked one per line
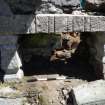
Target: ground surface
<point>53,92</point>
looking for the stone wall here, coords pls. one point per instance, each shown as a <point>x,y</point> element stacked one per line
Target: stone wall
<point>45,7</point>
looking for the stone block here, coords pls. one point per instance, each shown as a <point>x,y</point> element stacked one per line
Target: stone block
<point>78,23</point>
<point>17,101</point>
<point>94,23</point>
<point>101,20</point>
<point>92,93</point>
<point>69,23</point>
<point>10,61</point>
<point>60,23</point>
<point>87,27</point>
<point>42,23</point>
<point>13,77</point>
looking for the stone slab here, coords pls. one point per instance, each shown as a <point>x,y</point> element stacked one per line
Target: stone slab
<point>92,93</point>
<point>50,23</point>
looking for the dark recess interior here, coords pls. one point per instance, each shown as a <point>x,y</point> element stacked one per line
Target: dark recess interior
<point>78,65</point>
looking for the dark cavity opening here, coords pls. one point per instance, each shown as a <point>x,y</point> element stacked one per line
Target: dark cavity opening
<point>37,52</point>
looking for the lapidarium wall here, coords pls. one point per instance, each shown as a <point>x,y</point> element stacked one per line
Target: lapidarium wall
<point>10,61</point>
<point>22,17</point>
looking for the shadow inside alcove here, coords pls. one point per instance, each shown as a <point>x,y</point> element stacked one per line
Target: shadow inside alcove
<point>77,67</point>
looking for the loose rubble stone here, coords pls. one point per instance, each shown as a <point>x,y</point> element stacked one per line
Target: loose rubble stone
<point>17,101</point>
<point>65,92</point>
<point>43,6</point>
<point>63,102</point>
<point>95,5</point>
<point>6,90</point>
<point>92,93</point>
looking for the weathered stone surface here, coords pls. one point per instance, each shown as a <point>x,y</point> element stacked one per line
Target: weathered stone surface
<point>42,23</point>
<point>10,61</point>
<point>94,23</point>
<point>87,23</point>
<point>60,23</point>
<point>78,23</point>
<point>31,25</point>
<point>17,101</point>
<point>92,93</point>
<point>69,24</point>
<point>49,23</point>
<point>43,6</point>
<point>48,7</point>
<point>101,23</point>
<point>8,91</point>
<point>13,77</point>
